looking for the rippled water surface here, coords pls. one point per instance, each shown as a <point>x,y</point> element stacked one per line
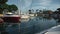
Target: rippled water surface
<point>31,25</point>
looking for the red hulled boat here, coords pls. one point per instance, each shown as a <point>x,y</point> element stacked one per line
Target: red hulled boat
<point>10,17</point>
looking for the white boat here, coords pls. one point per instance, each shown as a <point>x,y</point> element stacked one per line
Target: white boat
<point>24,16</point>
<point>32,15</point>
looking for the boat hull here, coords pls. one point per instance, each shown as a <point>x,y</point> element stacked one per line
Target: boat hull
<point>14,19</point>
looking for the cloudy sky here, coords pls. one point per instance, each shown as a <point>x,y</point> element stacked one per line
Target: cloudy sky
<point>24,5</point>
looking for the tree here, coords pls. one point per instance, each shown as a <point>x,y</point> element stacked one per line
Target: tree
<point>55,12</point>
<point>30,12</point>
<point>58,9</point>
<point>12,8</point>
<point>2,7</point>
<point>3,1</point>
<point>37,10</point>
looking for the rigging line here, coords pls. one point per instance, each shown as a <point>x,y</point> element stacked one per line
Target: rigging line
<point>31,4</point>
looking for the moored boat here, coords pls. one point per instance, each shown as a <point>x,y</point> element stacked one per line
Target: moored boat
<point>10,17</point>
<point>24,16</point>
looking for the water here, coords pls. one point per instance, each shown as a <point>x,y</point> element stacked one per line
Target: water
<point>32,25</point>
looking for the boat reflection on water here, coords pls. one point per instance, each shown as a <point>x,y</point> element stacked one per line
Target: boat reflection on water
<point>24,20</point>
<point>32,25</point>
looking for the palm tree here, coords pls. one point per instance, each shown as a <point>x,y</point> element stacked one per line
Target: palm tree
<point>37,10</point>
<point>30,12</point>
<point>58,10</point>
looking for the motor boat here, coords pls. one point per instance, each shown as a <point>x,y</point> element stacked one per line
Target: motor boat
<point>10,17</point>
<point>24,16</point>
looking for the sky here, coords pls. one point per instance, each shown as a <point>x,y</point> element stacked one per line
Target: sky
<point>25,5</point>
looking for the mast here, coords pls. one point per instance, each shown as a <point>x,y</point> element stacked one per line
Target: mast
<point>19,10</point>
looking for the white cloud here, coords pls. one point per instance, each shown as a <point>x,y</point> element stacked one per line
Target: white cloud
<point>45,2</point>
<point>25,4</point>
<point>54,6</point>
<point>39,7</point>
<point>39,4</point>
